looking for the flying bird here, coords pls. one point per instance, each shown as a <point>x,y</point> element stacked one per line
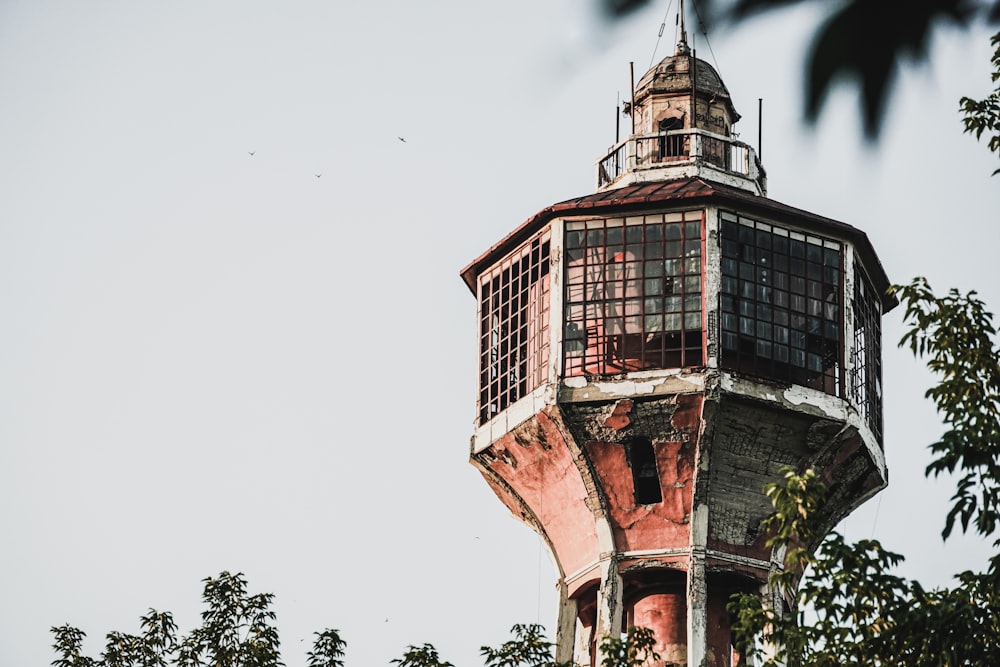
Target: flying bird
<point>252,153</point>
<point>401,139</point>
<point>318,175</point>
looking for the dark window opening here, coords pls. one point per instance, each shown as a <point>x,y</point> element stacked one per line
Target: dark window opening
<point>671,145</point>
<point>645,479</point>
<point>513,327</point>
<point>780,304</point>
<point>633,297</point>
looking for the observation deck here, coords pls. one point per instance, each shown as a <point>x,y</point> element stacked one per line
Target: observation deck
<point>677,154</point>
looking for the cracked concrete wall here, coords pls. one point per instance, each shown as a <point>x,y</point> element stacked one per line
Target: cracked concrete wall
<point>671,425</point>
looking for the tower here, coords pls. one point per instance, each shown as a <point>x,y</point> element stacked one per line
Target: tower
<point>652,354</point>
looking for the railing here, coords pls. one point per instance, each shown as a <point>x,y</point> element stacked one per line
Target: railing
<point>680,148</point>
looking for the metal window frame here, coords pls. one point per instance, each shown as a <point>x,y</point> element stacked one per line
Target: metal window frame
<point>629,322</point>
<point>514,302</point>
<point>755,298</point>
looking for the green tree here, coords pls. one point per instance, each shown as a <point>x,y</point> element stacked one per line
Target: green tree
<point>421,656</point>
<point>984,115</point>
<point>845,605</point>
<point>237,630</point>
<point>635,650</point>
<point>529,647</point>
<point>328,649</point>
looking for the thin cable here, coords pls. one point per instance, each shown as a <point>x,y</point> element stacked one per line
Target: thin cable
<point>538,585</point>
<point>704,31</point>
<point>538,565</point>
<point>878,506</point>
<point>660,36</point>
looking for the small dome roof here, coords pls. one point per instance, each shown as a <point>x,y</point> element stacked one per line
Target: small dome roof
<point>672,75</point>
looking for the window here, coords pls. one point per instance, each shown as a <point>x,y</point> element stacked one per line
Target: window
<point>780,315</point>
<point>513,327</point>
<point>633,294</point>
<point>645,479</point>
<point>866,353</point>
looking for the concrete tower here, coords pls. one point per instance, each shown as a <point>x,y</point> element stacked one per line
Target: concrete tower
<point>652,354</point>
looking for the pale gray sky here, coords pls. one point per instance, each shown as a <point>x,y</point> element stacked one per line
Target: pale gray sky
<point>215,360</point>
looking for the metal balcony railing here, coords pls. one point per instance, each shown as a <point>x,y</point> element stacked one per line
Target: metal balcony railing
<point>680,148</point>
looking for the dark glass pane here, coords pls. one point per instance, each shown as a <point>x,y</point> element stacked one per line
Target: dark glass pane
<point>781,245</point>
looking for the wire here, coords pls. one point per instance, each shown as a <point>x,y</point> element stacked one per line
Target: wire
<point>704,31</point>
<point>878,506</point>
<point>660,36</point>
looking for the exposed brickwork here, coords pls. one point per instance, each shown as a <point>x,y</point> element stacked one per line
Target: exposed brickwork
<point>619,418</point>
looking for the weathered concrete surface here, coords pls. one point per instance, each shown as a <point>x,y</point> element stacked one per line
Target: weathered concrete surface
<point>537,475</point>
<point>566,471</point>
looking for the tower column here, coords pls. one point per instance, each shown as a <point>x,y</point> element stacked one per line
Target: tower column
<point>609,605</point>
<point>697,609</point>
<point>566,639</point>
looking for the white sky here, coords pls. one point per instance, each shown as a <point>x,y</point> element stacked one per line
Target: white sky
<point>212,360</point>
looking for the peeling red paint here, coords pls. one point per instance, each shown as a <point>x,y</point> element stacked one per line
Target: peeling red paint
<point>541,484</point>
<point>619,418</point>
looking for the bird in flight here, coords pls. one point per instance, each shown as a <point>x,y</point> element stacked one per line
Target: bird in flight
<point>401,139</point>
<point>252,153</point>
<point>318,175</point>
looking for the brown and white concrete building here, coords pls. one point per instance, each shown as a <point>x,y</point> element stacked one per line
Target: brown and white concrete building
<point>652,354</point>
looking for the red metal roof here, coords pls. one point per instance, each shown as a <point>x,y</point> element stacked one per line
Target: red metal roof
<point>664,194</point>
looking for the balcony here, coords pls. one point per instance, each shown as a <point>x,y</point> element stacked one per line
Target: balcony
<point>680,154</point>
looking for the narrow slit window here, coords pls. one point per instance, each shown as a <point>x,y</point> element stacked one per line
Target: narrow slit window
<point>645,478</point>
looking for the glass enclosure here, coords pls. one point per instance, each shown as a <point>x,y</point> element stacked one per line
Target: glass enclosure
<point>633,296</point>
<point>514,326</point>
<point>780,313</point>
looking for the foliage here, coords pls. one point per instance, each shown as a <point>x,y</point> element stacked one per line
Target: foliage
<point>860,42</point>
<point>984,115</point>
<point>635,650</point>
<point>852,610</point>
<point>237,631</point>
<point>849,608</point>
<point>328,649</point>
<point>529,647</point>
<point>955,334</point>
<point>421,656</point>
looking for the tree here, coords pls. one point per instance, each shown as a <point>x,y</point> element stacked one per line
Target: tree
<point>529,647</point>
<point>984,115</point>
<point>636,650</point>
<point>237,631</point>
<point>845,606</point>
<point>861,42</point>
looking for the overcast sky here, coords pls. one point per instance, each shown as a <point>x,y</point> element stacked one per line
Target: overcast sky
<point>216,360</point>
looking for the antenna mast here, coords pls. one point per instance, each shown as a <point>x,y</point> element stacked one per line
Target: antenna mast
<point>682,38</point>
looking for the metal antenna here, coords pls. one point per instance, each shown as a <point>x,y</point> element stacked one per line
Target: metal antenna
<point>682,41</point>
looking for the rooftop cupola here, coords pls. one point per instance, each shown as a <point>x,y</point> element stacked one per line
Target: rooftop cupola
<point>682,119</point>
